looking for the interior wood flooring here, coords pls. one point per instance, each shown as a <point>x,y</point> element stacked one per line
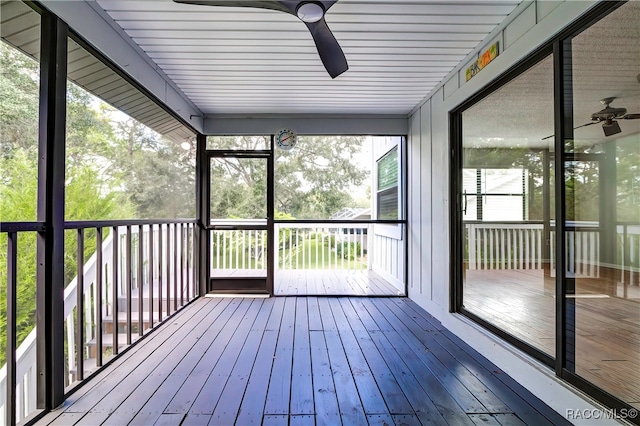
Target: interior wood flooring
<point>607,322</point>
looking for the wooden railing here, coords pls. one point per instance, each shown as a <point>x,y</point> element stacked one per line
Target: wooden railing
<point>341,246</point>
<point>516,245</point>
<point>300,246</point>
<point>154,276</point>
<point>315,245</point>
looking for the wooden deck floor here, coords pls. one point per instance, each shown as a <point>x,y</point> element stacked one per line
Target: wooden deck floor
<point>302,361</point>
<point>332,283</point>
<point>319,282</point>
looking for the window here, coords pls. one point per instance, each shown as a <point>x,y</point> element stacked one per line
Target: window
<point>387,186</point>
<point>495,194</point>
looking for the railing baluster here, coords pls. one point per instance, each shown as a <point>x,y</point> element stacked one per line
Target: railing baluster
<point>98,300</point>
<point>129,282</point>
<point>115,302</point>
<point>151,283</point>
<point>236,249</point>
<point>140,278</point>
<point>323,247</point>
<point>182,248</point>
<point>290,249</point>
<point>315,234</point>
<point>160,274</point>
<point>175,267</point>
<point>349,244</point>
<point>80,307</point>
<point>168,268</point>
<point>12,282</point>
<point>224,249</point>
<point>188,269</point>
<point>308,264</point>
<point>192,260</point>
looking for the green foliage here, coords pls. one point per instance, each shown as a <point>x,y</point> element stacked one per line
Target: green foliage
<point>114,169</point>
<point>323,253</point>
<point>349,251</point>
<point>313,181</point>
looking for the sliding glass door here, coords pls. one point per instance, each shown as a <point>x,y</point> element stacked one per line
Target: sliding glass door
<point>547,218</point>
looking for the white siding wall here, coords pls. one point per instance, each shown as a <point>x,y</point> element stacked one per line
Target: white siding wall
<point>389,258</point>
<point>429,158</point>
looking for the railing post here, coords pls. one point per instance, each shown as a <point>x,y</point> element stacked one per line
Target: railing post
<point>12,282</point>
<point>203,172</point>
<point>50,244</point>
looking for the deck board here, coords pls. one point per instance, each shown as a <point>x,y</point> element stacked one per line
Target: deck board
<point>303,361</point>
<point>301,377</point>
<point>291,282</point>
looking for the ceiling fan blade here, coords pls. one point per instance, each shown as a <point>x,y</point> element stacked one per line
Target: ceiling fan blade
<point>631,116</point>
<point>282,6</point>
<point>591,123</point>
<point>329,49</point>
<point>328,3</point>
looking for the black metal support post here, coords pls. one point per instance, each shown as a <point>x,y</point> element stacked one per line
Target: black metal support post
<point>202,214</point>
<point>50,245</point>
<point>99,330</point>
<point>12,283</point>
<point>457,264</point>
<point>271,248</point>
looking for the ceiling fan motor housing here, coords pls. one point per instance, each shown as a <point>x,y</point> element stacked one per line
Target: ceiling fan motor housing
<point>608,114</point>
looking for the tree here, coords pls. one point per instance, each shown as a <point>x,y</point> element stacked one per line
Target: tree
<point>157,173</point>
<point>312,181</point>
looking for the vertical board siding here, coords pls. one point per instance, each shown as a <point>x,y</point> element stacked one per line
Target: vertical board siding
<point>414,221</point>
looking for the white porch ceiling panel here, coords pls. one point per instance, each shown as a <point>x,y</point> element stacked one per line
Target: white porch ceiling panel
<point>231,60</point>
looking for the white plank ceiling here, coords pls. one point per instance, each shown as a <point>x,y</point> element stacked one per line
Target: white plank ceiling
<point>231,60</point>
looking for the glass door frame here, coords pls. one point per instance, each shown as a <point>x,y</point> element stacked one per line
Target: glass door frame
<point>204,179</point>
<point>563,360</point>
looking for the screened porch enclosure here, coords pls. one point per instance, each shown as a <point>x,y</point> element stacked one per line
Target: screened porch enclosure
<point>313,259</point>
<point>324,218</point>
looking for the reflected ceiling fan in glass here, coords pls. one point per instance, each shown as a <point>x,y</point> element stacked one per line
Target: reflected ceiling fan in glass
<point>311,13</point>
<point>608,116</point>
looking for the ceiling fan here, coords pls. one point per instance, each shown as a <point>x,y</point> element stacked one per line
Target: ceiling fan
<point>311,13</point>
<point>608,116</point>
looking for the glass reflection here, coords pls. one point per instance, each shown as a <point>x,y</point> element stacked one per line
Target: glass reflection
<point>506,196</point>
